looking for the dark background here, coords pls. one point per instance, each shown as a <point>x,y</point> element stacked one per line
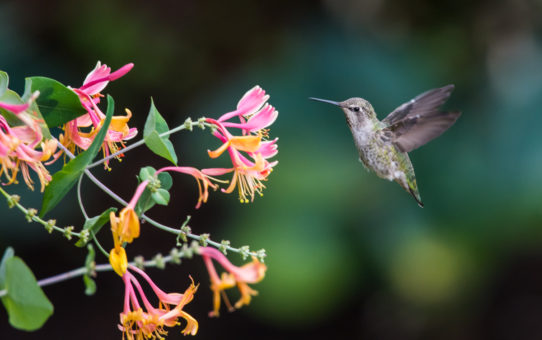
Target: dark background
<point>350,255</point>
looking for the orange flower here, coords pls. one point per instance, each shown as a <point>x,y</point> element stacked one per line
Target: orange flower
<point>252,272</point>
<point>147,321</point>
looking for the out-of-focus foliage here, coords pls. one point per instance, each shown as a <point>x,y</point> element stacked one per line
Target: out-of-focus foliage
<point>348,253</point>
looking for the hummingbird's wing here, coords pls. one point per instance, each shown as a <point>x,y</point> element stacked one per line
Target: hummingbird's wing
<point>412,132</point>
<point>418,121</point>
<point>426,104</point>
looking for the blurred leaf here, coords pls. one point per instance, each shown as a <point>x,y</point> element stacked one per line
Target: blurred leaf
<point>66,178</point>
<point>161,197</point>
<point>148,199</point>
<point>94,224</point>
<point>57,103</point>
<point>7,255</point>
<point>90,256</point>
<point>90,285</point>
<point>154,126</point>
<point>4,80</point>
<point>165,180</point>
<point>27,306</point>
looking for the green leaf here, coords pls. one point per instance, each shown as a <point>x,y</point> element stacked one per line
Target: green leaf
<point>57,103</point>
<point>160,196</point>
<point>7,255</point>
<point>94,224</point>
<point>10,97</point>
<point>27,306</point>
<point>154,126</point>
<point>148,199</point>
<point>66,178</point>
<point>146,173</point>
<point>4,80</point>
<point>90,285</point>
<point>165,180</point>
<point>90,256</point>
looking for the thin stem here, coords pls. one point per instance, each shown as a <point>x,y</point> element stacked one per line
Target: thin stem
<point>98,244</point>
<point>142,141</point>
<point>150,220</point>
<point>98,268</point>
<point>79,197</point>
<point>36,218</point>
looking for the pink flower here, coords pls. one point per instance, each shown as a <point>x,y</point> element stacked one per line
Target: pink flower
<point>89,95</point>
<point>203,180</point>
<point>18,146</point>
<point>252,272</point>
<point>250,170</point>
<point>147,321</point>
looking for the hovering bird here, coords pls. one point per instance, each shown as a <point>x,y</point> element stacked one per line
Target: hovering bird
<point>384,145</point>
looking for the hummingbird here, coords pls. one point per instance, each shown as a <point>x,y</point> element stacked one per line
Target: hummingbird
<point>384,145</point>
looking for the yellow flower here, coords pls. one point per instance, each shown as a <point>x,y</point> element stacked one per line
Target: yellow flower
<point>252,272</point>
<point>125,227</point>
<point>118,260</point>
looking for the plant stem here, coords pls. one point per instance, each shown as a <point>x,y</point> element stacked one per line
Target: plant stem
<point>36,218</point>
<point>150,220</point>
<point>142,141</point>
<point>98,268</point>
<point>79,199</point>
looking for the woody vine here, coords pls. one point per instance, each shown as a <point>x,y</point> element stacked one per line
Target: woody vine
<point>27,148</point>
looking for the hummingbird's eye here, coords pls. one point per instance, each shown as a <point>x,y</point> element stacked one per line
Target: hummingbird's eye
<point>355,108</point>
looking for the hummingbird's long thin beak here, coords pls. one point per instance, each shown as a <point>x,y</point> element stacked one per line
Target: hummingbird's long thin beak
<point>325,101</point>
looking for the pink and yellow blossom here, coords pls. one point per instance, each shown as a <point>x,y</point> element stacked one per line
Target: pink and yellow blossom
<point>89,96</point>
<point>19,146</point>
<point>249,152</point>
<point>252,272</point>
<point>204,181</point>
<point>141,320</point>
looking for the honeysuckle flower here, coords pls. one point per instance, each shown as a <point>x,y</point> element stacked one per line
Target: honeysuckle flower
<point>203,180</point>
<point>125,227</point>
<point>252,272</point>
<point>143,320</point>
<point>118,260</point>
<point>250,171</point>
<point>18,146</point>
<point>89,95</point>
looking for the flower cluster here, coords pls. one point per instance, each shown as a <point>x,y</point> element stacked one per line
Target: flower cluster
<point>148,321</point>
<point>89,95</point>
<point>250,151</point>
<point>252,272</point>
<point>23,147</point>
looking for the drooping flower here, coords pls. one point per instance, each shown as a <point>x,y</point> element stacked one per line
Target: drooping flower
<point>252,272</point>
<point>89,96</point>
<point>250,171</point>
<point>145,321</point>
<point>19,146</point>
<point>125,228</point>
<point>204,181</point>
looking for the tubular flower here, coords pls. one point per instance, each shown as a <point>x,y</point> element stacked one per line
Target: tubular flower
<point>252,272</point>
<point>250,171</point>
<point>18,146</point>
<point>204,181</point>
<point>125,228</point>
<point>89,95</point>
<point>145,321</point>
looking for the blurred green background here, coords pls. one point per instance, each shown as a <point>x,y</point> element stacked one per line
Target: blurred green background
<point>350,255</point>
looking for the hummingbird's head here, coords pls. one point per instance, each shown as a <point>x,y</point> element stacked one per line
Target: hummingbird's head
<point>357,110</point>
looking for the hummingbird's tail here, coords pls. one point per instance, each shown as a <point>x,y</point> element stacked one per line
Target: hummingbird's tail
<point>408,183</point>
<point>416,196</point>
